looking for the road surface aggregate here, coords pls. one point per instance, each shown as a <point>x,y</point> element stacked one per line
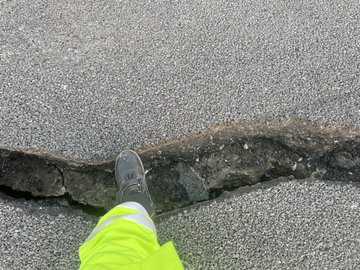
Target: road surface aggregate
<point>90,78</point>
<point>299,224</point>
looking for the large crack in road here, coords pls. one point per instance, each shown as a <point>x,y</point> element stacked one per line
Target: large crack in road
<point>196,168</point>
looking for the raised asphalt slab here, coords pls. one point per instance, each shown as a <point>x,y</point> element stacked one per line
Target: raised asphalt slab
<point>90,78</point>
<point>291,225</point>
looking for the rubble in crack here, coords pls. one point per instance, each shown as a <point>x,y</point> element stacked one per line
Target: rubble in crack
<point>184,171</point>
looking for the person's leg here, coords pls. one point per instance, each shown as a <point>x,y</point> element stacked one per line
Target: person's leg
<point>140,198</point>
<point>126,236</point>
<point>122,239</point>
<point>130,179</point>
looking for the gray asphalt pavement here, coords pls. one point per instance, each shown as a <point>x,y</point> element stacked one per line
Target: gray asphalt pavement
<point>292,225</point>
<point>89,78</point>
<point>40,236</point>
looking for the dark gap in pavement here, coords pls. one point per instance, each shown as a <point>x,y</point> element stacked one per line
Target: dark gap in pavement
<point>194,169</point>
<point>8,193</point>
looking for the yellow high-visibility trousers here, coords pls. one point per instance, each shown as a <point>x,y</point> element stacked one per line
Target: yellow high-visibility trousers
<point>125,239</point>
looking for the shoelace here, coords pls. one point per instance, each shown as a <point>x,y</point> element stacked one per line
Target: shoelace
<point>133,183</point>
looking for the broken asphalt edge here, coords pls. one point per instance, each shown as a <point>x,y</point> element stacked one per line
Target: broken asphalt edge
<point>196,168</point>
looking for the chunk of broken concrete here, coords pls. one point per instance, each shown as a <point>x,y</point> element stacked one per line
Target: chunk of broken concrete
<point>193,183</point>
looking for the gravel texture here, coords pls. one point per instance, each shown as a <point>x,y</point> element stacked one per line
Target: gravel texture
<point>40,236</point>
<point>292,225</point>
<point>89,78</point>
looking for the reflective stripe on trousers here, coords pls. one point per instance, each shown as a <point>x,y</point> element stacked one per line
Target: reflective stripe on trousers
<point>141,217</point>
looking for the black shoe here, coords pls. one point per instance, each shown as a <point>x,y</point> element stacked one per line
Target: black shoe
<point>130,179</point>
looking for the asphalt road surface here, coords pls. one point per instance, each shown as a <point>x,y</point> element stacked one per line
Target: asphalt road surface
<point>292,225</point>
<point>89,78</point>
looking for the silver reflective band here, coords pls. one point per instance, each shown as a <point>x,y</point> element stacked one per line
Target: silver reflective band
<point>143,220</point>
<point>134,206</point>
<point>139,218</point>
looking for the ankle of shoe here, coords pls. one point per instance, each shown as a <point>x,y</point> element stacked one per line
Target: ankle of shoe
<point>141,198</point>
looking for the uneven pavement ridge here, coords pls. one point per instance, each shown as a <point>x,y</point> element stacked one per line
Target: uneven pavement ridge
<point>88,79</point>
